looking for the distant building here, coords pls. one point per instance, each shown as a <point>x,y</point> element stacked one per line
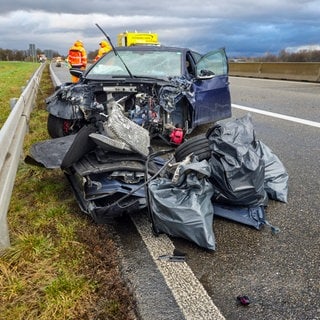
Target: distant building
<point>48,53</point>
<point>32,51</point>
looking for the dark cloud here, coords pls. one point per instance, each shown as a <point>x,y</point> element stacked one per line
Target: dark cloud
<point>244,28</point>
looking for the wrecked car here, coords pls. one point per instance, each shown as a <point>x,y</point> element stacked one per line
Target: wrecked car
<point>102,128</point>
<point>167,90</point>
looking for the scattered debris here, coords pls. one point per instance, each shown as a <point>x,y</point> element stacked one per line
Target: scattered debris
<point>172,258</point>
<point>243,300</point>
<point>112,172</point>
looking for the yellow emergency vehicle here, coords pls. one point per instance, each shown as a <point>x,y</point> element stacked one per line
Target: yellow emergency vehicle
<point>135,38</point>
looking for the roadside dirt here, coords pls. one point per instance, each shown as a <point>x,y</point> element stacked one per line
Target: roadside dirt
<point>112,299</point>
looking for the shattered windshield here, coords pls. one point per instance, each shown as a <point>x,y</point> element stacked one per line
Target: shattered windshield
<point>157,64</point>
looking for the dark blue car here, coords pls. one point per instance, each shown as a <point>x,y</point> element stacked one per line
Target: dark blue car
<point>167,90</point>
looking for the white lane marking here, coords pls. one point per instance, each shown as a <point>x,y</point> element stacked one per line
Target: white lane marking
<point>278,115</point>
<point>302,83</point>
<point>190,295</point>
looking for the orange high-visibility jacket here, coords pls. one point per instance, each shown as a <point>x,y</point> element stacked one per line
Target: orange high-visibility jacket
<point>104,48</point>
<point>77,56</point>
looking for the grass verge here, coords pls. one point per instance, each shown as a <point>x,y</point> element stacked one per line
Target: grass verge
<point>60,264</point>
<point>13,76</point>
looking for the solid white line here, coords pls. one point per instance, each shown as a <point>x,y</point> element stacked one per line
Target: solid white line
<point>302,83</point>
<point>190,295</point>
<point>278,115</point>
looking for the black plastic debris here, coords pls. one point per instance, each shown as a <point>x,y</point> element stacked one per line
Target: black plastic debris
<point>184,209</point>
<point>237,169</point>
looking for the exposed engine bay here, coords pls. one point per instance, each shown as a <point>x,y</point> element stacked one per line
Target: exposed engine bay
<point>165,109</point>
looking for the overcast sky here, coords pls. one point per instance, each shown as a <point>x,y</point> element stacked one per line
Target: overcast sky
<point>243,27</point>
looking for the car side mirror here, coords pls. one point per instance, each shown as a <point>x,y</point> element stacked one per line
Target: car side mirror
<point>205,74</point>
<point>76,72</point>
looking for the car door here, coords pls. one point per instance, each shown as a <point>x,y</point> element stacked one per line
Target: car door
<point>211,88</point>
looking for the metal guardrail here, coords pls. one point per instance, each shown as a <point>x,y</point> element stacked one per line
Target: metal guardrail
<point>12,136</point>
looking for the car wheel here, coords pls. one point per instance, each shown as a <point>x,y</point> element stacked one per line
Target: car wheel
<point>198,145</point>
<point>58,127</point>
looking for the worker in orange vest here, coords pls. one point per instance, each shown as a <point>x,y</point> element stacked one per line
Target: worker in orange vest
<point>104,48</point>
<point>77,58</point>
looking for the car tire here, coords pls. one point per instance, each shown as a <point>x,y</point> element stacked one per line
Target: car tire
<point>198,145</point>
<point>55,126</point>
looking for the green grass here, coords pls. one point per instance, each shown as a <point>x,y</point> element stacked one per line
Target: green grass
<point>13,77</point>
<point>60,265</point>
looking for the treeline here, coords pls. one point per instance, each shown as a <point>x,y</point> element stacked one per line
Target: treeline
<point>24,55</point>
<point>285,56</point>
<point>13,55</point>
<point>20,55</point>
